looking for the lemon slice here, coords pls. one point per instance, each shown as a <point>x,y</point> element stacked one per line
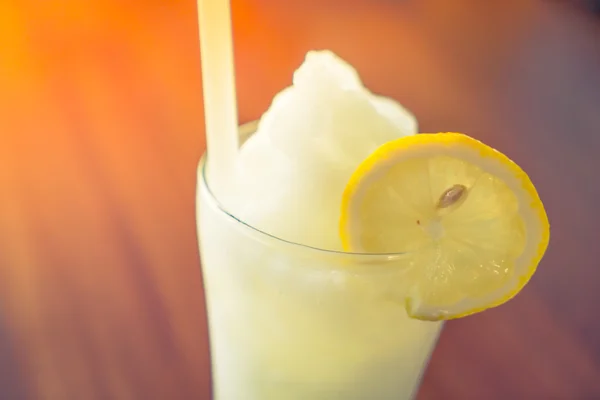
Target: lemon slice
<point>468,218</point>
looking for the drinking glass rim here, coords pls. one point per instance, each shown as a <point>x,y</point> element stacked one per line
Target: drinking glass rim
<point>245,131</point>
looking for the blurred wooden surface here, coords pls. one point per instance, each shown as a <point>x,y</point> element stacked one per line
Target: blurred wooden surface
<point>101,127</point>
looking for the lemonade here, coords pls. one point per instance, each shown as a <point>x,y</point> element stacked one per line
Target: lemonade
<point>293,322</point>
<point>288,321</point>
<point>342,239</point>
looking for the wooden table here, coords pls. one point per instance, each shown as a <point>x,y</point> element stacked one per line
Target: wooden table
<point>101,127</point>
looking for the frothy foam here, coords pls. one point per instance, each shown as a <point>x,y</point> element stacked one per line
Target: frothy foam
<point>293,170</point>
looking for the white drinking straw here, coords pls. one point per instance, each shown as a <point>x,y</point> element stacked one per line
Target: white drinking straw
<point>218,81</point>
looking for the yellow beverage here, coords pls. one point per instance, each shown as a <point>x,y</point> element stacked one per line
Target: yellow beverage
<point>294,322</point>
<point>291,316</point>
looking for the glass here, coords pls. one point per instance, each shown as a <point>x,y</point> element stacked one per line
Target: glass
<point>287,321</point>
